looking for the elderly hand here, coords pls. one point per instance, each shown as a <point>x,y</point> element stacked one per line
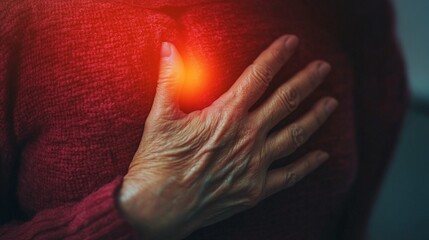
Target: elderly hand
<point>193,170</point>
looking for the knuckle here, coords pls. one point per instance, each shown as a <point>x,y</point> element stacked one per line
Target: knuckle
<point>290,179</point>
<point>297,135</point>
<point>261,73</point>
<point>288,98</point>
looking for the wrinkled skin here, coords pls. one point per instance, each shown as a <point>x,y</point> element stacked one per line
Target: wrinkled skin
<point>193,170</point>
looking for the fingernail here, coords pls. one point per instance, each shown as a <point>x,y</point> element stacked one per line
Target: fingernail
<point>323,68</point>
<point>323,156</point>
<point>165,49</point>
<point>331,105</point>
<point>291,42</point>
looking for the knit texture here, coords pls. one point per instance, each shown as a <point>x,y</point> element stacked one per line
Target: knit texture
<point>77,81</point>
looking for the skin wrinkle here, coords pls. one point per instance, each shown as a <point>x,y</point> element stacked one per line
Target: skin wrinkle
<point>262,74</point>
<point>217,142</point>
<point>229,134</point>
<point>224,131</point>
<point>227,182</point>
<point>291,179</point>
<point>209,162</point>
<point>298,135</point>
<point>219,190</point>
<point>291,98</point>
<point>96,60</point>
<point>198,169</point>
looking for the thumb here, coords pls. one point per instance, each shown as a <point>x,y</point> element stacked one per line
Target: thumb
<point>170,81</point>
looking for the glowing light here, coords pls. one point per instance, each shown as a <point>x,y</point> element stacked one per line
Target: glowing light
<point>194,84</point>
<point>194,80</point>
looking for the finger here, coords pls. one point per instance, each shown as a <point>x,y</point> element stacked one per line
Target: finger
<point>255,79</point>
<point>287,98</point>
<point>287,140</point>
<point>285,177</point>
<point>170,81</point>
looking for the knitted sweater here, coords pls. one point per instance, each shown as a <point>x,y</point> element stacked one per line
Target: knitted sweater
<point>77,80</point>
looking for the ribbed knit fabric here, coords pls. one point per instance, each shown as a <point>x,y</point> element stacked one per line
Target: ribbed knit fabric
<point>77,80</point>
<point>95,217</point>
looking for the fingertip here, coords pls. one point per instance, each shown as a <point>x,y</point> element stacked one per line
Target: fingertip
<point>171,62</point>
<point>167,62</point>
<point>170,78</point>
<point>291,42</point>
<point>323,67</point>
<point>289,37</point>
<point>330,105</point>
<point>322,156</point>
<point>165,49</point>
<point>169,51</point>
<point>177,58</point>
<point>294,37</point>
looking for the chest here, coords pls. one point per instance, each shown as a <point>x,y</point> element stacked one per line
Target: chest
<point>87,82</point>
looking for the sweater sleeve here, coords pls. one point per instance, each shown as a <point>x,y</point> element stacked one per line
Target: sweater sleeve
<point>382,98</point>
<point>93,217</point>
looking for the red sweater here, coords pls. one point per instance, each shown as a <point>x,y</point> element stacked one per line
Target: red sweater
<point>77,80</point>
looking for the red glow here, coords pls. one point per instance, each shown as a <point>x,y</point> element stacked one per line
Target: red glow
<point>194,86</point>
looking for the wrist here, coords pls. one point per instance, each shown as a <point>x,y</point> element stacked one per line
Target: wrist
<point>134,205</point>
<point>125,206</point>
<point>150,216</point>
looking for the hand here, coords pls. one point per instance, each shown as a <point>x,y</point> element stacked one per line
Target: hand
<point>193,170</point>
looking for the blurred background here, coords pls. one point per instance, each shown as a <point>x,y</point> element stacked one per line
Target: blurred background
<point>402,209</point>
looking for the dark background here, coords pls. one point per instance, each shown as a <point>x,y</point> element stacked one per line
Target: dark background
<point>402,209</point>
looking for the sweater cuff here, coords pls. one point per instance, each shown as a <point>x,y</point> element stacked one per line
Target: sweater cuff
<point>101,218</point>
